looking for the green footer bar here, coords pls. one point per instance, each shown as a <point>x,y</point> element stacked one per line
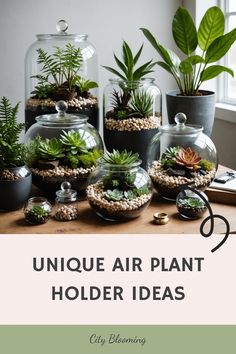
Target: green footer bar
<point>117,339</point>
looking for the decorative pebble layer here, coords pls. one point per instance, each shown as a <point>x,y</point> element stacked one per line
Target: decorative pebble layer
<point>62,171</point>
<point>7,175</point>
<point>162,180</point>
<point>133,124</point>
<point>66,213</point>
<point>95,195</point>
<point>78,102</point>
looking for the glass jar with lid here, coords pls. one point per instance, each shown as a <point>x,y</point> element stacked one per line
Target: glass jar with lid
<point>62,147</point>
<point>181,155</point>
<point>132,114</point>
<point>66,203</point>
<point>61,66</point>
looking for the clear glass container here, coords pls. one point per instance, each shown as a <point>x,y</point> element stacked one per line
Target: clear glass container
<point>37,211</point>
<point>132,114</point>
<point>61,66</point>
<point>190,205</point>
<point>181,155</point>
<point>119,192</point>
<point>66,203</point>
<point>62,147</point>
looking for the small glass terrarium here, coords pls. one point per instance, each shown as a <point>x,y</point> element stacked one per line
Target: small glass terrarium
<point>66,203</point>
<point>181,155</point>
<point>119,189</point>
<point>61,66</point>
<point>62,147</point>
<point>37,211</point>
<point>190,205</point>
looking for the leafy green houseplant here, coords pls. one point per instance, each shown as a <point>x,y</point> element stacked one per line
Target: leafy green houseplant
<point>119,189</point>
<point>132,103</point>
<point>64,158</point>
<point>60,77</point>
<point>15,177</point>
<point>201,49</point>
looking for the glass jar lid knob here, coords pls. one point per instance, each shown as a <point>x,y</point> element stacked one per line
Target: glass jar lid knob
<point>66,194</point>
<point>61,107</point>
<point>180,119</point>
<point>62,27</point>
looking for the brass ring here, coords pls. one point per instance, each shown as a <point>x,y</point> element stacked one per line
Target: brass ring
<point>160,218</point>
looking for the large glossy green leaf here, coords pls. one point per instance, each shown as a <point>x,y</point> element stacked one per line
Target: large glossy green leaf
<point>164,66</point>
<point>159,48</point>
<point>195,59</point>
<point>186,67</point>
<point>212,26</point>
<point>213,71</point>
<point>184,31</point>
<point>220,46</point>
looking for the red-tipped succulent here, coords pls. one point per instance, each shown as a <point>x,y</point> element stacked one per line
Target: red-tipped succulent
<point>188,158</point>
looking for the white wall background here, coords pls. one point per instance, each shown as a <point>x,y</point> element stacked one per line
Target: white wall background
<point>106,22</point>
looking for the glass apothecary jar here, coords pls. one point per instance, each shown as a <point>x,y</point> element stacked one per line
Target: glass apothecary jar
<point>37,211</point>
<point>62,147</point>
<point>179,155</point>
<point>132,114</point>
<point>66,203</point>
<point>119,189</point>
<point>190,205</point>
<point>61,66</point>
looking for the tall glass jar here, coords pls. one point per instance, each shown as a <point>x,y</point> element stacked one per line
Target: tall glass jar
<point>119,192</point>
<point>132,115</point>
<point>61,66</point>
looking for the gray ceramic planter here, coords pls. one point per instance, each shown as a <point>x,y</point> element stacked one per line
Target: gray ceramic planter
<point>200,110</point>
<point>14,194</point>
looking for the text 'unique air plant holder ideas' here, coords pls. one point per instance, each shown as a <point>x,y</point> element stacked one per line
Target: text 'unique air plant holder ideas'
<point>62,147</point>
<point>61,66</point>
<point>119,189</point>
<point>181,155</point>
<point>132,105</point>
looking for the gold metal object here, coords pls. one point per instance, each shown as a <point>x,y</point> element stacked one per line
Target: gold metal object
<point>160,218</point>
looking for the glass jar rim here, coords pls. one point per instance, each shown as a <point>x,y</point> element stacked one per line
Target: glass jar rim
<point>117,80</point>
<point>62,36</point>
<point>41,200</point>
<point>55,119</point>
<point>189,129</point>
<point>118,167</point>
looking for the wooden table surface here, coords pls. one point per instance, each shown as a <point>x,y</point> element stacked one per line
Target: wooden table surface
<point>89,223</point>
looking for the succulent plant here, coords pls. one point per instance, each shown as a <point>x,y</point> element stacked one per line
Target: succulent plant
<point>36,215</point>
<point>188,158</point>
<point>114,195</point>
<point>171,152</point>
<point>193,203</point>
<point>51,149</point>
<point>206,165</point>
<point>73,142</point>
<point>141,104</point>
<point>120,158</point>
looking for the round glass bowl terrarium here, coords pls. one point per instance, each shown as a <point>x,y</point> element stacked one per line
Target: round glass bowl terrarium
<point>62,147</point>
<point>190,205</point>
<point>132,114</point>
<point>119,189</point>
<point>61,66</point>
<point>181,155</point>
<point>37,211</point>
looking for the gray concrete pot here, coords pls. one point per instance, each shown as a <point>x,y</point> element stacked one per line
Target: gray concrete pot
<point>200,110</point>
<point>14,194</point>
